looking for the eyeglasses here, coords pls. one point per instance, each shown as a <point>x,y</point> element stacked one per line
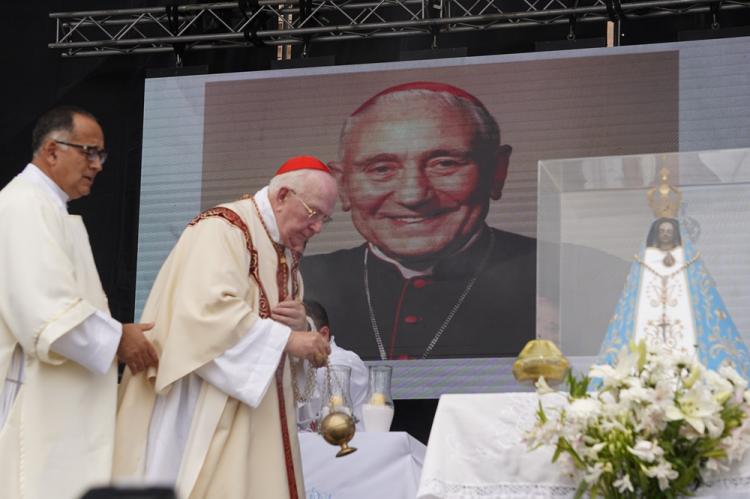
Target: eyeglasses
<point>312,214</point>
<point>92,152</point>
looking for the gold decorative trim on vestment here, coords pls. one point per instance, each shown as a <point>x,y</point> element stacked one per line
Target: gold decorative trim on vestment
<point>233,218</point>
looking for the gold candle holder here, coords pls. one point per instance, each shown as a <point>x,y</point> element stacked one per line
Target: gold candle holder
<point>540,358</point>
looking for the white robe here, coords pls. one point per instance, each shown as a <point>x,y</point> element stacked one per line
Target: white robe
<point>57,346</point>
<point>211,410</point>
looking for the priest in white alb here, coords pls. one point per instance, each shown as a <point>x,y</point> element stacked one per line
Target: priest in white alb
<point>217,419</point>
<point>57,339</point>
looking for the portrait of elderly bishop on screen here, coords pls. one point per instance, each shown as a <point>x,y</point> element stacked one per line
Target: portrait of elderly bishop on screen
<point>418,166</point>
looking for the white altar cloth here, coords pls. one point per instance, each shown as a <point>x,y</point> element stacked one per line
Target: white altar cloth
<point>386,465</point>
<point>475,451</point>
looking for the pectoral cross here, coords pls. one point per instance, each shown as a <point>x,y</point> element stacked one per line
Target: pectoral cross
<point>665,325</point>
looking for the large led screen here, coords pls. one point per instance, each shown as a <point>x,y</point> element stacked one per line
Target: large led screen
<point>429,261</point>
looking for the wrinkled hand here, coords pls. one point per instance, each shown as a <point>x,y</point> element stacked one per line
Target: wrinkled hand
<point>309,345</point>
<point>290,313</point>
<point>135,350</point>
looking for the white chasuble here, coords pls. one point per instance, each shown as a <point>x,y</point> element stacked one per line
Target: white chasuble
<point>57,437</point>
<point>208,420</point>
<point>664,312</point>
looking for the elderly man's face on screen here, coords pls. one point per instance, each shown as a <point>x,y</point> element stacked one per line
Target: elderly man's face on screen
<point>416,181</point>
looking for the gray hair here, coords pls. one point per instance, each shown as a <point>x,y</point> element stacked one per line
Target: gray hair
<point>299,181</point>
<point>486,141</point>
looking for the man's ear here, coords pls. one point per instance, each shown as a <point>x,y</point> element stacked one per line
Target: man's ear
<point>281,194</point>
<point>325,332</point>
<point>48,151</point>
<point>500,171</point>
<point>278,199</point>
<point>338,173</point>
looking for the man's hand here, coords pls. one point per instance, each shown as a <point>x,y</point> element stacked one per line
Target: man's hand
<point>290,313</point>
<point>308,345</point>
<point>135,350</point>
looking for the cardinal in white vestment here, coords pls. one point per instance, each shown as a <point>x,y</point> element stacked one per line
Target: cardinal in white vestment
<point>217,419</point>
<point>57,340</point>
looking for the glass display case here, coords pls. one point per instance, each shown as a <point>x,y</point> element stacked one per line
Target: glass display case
<point>593,221</point>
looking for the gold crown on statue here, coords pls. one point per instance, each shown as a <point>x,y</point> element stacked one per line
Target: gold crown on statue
<point>665,199</point>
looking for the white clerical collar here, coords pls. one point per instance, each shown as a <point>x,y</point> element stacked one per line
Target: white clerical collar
<point>266,212</point>
<point>408,273</point>
<point>34,174</point>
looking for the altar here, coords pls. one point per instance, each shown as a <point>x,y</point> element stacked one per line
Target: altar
<point>386,464</point>
<point>475,451</point>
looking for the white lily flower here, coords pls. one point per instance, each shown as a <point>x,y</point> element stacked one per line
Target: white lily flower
<point>733,376</point>
<point>585,409</point>
<point>664,392</point>
<point>592,473</point>
<point>646,451</point>
<point>651,420</point>
<point>714,426</point>
<point>721,388</point>
<point>623,484</point>
<point>637,393</point>
<point>740,383</point>
<point>736,443</point>
<point>626,365</point>
<point>591,452</point>
<point>713,467</point>
<point>694,374</point>
<point>544,434</point>
<point>663,472</point>
<point>680,359</point>
<point>694,406</point>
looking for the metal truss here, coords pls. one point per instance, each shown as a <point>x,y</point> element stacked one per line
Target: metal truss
<point>245,23</point>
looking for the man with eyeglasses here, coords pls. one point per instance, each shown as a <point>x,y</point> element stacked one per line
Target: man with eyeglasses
<point>58,341</point>
<point>218,417</point>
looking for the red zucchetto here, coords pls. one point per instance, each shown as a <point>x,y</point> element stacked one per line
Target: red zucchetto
<point>302,163</point>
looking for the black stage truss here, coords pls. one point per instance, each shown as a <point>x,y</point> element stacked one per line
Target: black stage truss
<point>209,26</point>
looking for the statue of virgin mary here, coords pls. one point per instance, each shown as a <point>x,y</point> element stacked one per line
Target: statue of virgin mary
<point>670,299</point>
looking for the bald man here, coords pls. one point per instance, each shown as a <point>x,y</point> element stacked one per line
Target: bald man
<point>418,166</point>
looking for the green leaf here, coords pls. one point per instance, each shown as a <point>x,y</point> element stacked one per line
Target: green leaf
<point>582,488</point>
<point>541,416</point>
<point>641,349</point>
<point>578,388</point>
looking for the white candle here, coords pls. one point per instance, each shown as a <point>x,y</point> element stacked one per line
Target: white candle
<point>377,417</point>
